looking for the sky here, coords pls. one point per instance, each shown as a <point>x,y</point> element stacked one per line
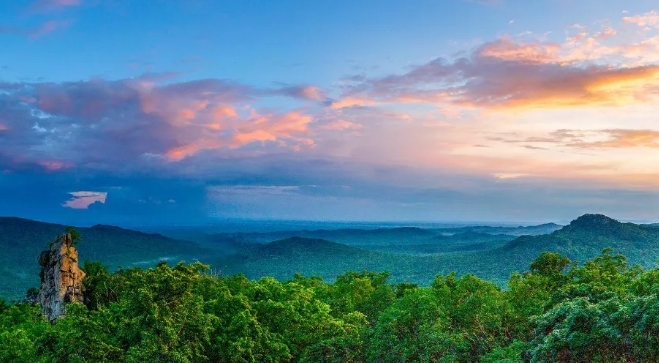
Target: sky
<point>190,112</point>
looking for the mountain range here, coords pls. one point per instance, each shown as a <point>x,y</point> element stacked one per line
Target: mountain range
<point>408,253</point>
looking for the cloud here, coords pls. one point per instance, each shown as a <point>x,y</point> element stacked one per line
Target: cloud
<point>593,139</point>
<point>508,50</point>
<point>54,165</point>
<point>618,138</point>
<point>53,5</point>
<point>217,191</point>
<point>484,2</point>
<point>354,101</point>
<point>83,199</point>
<point>341,125</point>
<point>589,69</point>
<point>649,19</point>
<point>259,128</point>
<point>35,32</point>
<point>101,124</point>
<point>482,82</point>
<point>505,176</point>
<point>313,93</point>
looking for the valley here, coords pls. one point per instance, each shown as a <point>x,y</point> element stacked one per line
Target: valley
<point>409,254</point>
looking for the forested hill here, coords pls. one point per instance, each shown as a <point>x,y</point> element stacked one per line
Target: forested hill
<point>586,236</point>
<point>409,254</point>
<point>373,237</point>
<point>21,240</point>
<point>581,240</point>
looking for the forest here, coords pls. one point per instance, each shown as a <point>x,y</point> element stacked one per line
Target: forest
<point>603,310</point>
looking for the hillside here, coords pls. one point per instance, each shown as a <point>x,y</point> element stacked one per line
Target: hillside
<point>399,240</point>
<point>458,242</point>
<point>586,236</point>
<point>351,236</point>
<point>307,256</point>
<point>21,240</point>
<point>410,254</point>
<point>581,240</point>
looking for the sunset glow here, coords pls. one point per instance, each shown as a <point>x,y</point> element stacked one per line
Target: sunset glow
<point>368,112</point>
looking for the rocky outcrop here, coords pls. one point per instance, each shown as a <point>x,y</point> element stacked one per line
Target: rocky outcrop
<point>61,278</point>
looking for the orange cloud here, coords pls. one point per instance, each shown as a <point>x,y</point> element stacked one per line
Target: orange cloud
<point>182,152</point>
<point>588,69</point>
<point>594,139</point>
<point>258,128</point>
<point>219,115</point>
<point>256,135</point>
<point>506,49</point>
<point>620,138</point>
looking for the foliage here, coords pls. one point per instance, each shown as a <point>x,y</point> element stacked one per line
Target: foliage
<point>76,238</point>
<point>601,311</point>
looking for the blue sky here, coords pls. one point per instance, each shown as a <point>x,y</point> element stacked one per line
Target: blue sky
<point>153,112</point>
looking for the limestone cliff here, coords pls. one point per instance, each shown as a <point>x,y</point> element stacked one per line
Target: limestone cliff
<point>61,278</point>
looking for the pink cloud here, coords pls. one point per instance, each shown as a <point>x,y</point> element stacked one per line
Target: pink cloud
<point>605,34</point>
<point>83,199</point>
<point>352,101</point>
<point>649,19</point>
<point>340,125</point>
<point>312,93</point>
<point>258,128</point>
<point>3,127</point>
<point>54,165</point>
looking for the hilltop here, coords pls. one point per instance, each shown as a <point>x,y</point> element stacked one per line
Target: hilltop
<point>21,240</point>
<point>586,236</point>
<point>307,256</point>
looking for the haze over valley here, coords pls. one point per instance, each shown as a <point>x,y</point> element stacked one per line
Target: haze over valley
<point>372,181</point>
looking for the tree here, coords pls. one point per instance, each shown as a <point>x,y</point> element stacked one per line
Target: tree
<point>76,238</point>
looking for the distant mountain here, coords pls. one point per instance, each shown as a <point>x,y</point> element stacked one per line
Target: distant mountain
<point>394,239</point>
<point>310,257</point>
<point>586,236</point>
<point>21,240</point>
<point>581,240</point>
<point>351,236</point>
<point>410,254</point>
<point>459,242</point>
<point>297,246</point>
<point>515,231</point>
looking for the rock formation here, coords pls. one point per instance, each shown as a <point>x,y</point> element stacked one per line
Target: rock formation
<point>61,278</point>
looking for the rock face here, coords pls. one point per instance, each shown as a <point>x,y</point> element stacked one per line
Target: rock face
<point>61,278</point>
